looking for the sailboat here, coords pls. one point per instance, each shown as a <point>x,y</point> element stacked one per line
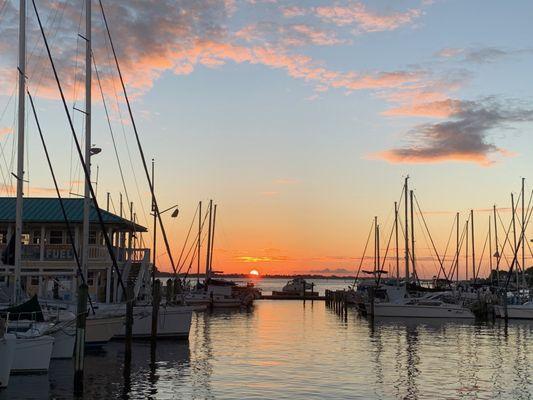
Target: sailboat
<point>7,354</point>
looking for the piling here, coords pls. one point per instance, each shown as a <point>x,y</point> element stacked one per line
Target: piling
<point>79,355</point>
<point>156,298</point>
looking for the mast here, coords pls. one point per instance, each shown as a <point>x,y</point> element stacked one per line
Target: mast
<point>413,236</point>
<point>515,250</point>
<point>490,248</point>
<point>199,244</point>
<point>523,238</point>
<point>396,237</point>
<point>154,241</point>
<point>378,264</point>
<point>88,101</point>
<point>497,253</point>
<point>457,249</point>
<point>20,149</point>
<point>473,247</point>
<point>208,250</point>
<point>466,253</point>
<point>212,242</point>
<point>405,190</point>
<point>375,246</point>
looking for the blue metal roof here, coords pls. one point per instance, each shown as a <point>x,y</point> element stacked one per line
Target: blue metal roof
<point>48,210</point>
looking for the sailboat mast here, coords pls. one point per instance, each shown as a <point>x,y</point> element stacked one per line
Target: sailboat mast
<point>473,247</point>
<point>405,190</point>
<point>88,102</point>
<point>154,242</point>
<point>466,252</point>
<point>378,264</point>
<point>523,238</point>
<point>396,237</point>
<point>199,244</point>
<point>413,235</point>
<point>375,245</point>
<point>490,248</point>
<point>208,250</point>
<point>457,249</point>
<point>515,250</point>
<point>20,148</point>
<point>497,253</point>
<point>212,242</point>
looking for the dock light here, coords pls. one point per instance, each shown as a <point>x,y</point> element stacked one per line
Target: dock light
<point>175,213</point>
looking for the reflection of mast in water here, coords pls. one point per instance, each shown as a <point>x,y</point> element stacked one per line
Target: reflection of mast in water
<point>521,363</point>
<point>412,359</point>
<point>375,339</point>
<point>202,348</point>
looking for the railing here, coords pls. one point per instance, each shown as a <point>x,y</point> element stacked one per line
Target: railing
<point>64,252</point>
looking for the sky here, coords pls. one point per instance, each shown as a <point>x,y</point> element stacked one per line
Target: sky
<point>300,119</point>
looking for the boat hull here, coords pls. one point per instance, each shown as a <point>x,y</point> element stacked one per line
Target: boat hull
<point>7,354</point>
<point>100,330</point>
<point>64,341</point>
<point>32,354</point>
<point>174,322</point>
<point>419,311</point>
<point>514,312</point>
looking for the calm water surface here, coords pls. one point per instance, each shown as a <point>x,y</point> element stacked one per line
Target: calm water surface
<point>288,350</point>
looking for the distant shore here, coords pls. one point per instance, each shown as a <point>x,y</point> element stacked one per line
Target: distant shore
<point>164,274</point>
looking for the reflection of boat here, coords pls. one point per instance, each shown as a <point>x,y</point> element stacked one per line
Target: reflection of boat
<point>430,306</point>
<point>297,287</point>
<point>7,354</point>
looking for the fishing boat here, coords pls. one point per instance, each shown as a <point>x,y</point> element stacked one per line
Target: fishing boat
<point>297,287</point>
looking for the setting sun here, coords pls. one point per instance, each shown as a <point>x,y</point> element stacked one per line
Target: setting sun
<point>254,272</point>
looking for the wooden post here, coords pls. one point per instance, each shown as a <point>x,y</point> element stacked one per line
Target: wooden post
<point>155,309</point>
<point>79,355</point>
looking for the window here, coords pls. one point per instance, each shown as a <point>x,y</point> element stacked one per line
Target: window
<point>92,237</point>
<point>3,237</point>
<point>25,239</point>
<point>34,281</point>
<point>90,278</point>
<point>56,237</point>
<point>36,237</point>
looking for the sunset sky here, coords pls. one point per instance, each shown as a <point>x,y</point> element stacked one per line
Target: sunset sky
<point>299,118</point>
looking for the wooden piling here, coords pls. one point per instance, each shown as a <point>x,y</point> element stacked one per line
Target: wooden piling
<point>79,355</point>
<point>156,299</point>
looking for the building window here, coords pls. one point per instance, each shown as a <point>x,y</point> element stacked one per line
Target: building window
<point>3,237</point>
<point>92,237</point>
<point>56,237</point>
<point>90,278</point>
<point>36,237</point>
<point>34,281</point>
<point>25,238</point>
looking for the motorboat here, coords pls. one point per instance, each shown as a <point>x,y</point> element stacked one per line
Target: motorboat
<point>433,305</point>
<point>296,288</point>
<point>515,311</point>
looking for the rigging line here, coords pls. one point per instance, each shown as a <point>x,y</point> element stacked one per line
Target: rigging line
<point>85,170</point>
<point>515,256</point>
<point>481,258</point>
<point>141,151</point>
<point>364,253</point>
<point>385,255</point>
<point>195,253</point>
<point>188,233</point>
<point>121,119</point>
<point>194,243</point>
<point>3,145</point>
<point>61,203</point>
<point>431,238</point>
<point>507,240</point>
<point>453,267</point>
<point>447,245</point>
<point>112,136</point>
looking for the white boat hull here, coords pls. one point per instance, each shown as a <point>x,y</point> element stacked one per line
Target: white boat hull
<point>514,312</point>
<point>32,354</point>
<point>100,330</point>
<point>64,341</point>
<point>7,354</point>
<point>419,311</point>
<point>173,322</point>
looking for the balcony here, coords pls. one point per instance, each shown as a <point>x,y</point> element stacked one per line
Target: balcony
<point>64,252</point>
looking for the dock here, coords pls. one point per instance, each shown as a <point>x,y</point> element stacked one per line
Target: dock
<point>289,297</point>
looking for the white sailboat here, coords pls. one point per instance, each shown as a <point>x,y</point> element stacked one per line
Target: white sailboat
<point>7,354</point>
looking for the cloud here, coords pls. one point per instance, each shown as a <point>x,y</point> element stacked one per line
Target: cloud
<point>261,259</point>
<point>293,11</point>
<point>331,271</point>
<point>356,13</point>
<point>481,55</point>
<point>464,137</point>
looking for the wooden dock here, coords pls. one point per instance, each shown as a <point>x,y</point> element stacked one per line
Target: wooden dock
<point>277,297</point>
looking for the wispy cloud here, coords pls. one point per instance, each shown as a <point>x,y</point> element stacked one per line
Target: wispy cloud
<point>464,137</point>
<point>481,54</point>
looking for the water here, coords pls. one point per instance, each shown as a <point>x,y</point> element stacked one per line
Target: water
<point>288,350</point>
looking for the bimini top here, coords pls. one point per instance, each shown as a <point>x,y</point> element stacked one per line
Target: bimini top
<point>48,210</point>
